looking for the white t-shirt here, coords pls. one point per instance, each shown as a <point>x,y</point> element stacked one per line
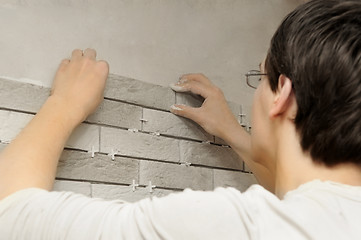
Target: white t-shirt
<point>316,210</point>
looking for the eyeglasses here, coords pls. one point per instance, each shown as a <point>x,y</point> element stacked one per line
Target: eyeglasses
<point>253,78</point>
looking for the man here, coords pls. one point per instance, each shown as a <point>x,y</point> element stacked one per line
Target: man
<point>305,147</point>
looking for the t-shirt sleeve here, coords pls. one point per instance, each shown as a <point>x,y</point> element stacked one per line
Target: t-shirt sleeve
<point>39,214</point>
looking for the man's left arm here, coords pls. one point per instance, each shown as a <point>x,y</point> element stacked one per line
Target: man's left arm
<point>31,159</point>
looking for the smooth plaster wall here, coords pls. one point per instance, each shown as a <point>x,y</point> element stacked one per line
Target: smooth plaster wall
<point>154,40</point>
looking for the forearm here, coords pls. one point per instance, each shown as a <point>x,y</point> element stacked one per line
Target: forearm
<point>240,141</point>
<point>31,159</point>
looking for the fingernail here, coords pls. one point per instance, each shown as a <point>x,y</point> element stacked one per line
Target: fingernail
<point>174,107</point>
<point>177,88</point>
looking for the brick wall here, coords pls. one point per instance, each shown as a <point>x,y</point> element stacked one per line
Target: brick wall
<point>132,142</point>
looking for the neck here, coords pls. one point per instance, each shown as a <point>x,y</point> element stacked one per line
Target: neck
<point>295,167</point>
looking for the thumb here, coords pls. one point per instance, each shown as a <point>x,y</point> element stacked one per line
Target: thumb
<point>185,111</point>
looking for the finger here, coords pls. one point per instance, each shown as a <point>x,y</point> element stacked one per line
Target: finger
<point>198,77</point>
<point>185,111</point>
<point>193,87</point>
<point>63,64</point>
<point>90,53</point>
<point>76,54</point>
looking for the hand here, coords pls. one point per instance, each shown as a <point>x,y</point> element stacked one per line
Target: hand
<point>79,83</point>
<point>214,115</point>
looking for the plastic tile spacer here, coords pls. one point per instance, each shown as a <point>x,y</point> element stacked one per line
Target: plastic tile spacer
<point>134,185</point>
<point>112,154</point>
<point>155,134</point>
<point>92,151</point>
<point>187,164</point>
<point>134,130</point>
<point>143,120</point>
<point>151,187</point>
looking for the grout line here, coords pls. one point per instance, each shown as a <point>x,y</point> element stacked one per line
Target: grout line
<point>17,110</point>
<point>113,183</point>
<point>135,104</point>
<point>161,161</point>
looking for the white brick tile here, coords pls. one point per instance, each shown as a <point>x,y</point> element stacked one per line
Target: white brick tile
<point>209,155</point>
<point>72,186</point>
<point>189,99</point>
<point>170,124</point>
<point>125,193</point>
<point>84,137</point>
<point>135,91</point>
<point>239,180</point>
<point>80,165</point>
<point>175,176</point>
<point>117,114</point>
<point>11,124</point>
<point>22,96</point>
<point>139,144</point>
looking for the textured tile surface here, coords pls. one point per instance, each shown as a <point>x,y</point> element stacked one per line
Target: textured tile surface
<point>209,155</point>
<point>11,123</point>
<point>189,99</point>
<point>125,193</point>
<point>139,145</point>
<point>134,91</point>
<point>84,137</point>
<point>117,114</point>
<point>80,165</point>
<point>175,176</point>
<point>239,180</point>
<point>170,124</point>
<point>72,186</point>
<point>22,96</point>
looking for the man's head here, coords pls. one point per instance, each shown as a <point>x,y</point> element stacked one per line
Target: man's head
<point>318,47</point>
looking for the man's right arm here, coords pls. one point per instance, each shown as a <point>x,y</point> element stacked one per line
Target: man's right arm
<point>215,117</point>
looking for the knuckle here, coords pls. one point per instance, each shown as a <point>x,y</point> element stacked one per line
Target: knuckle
<point>217,91</point>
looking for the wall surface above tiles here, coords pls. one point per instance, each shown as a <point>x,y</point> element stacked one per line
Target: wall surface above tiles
<point>154,41</point>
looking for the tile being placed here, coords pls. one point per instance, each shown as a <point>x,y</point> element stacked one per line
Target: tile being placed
<point>209,155</point>
<point>140,145</point>
<point>239,180</point>
<point>22,96</point>
<point>175,176</point>
<point>189,99</point>
<point>138,92</point>
<point>126,193</point>
<point>81,166</point>
<point>170,124</point>
<point>117,114</point>
<point>72,186</point>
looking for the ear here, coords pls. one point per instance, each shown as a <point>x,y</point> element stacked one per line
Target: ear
<point>283,97</point>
